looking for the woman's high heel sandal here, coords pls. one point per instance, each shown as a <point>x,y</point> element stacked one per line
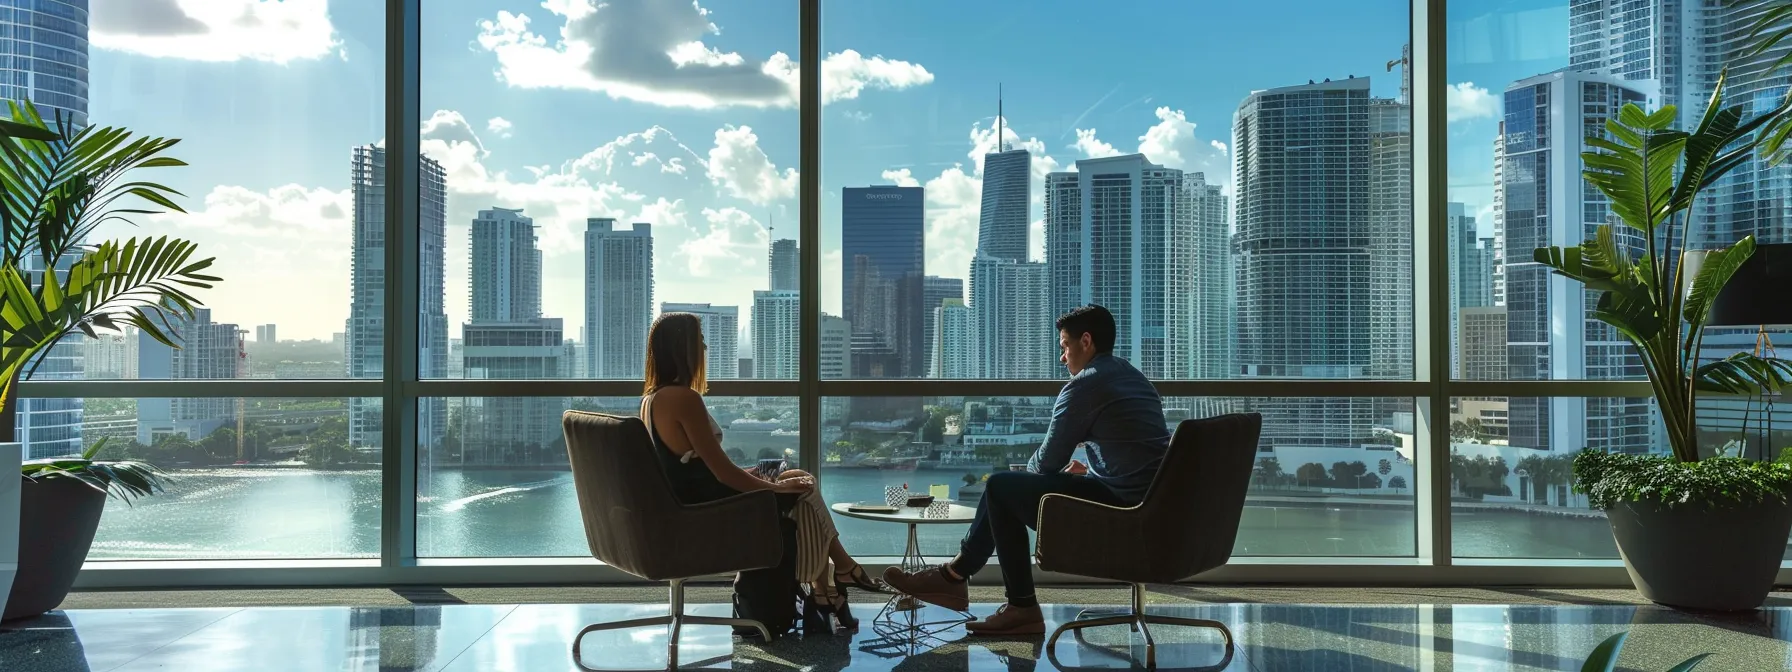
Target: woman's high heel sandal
<point>826,613</point>
<point>857,578</point>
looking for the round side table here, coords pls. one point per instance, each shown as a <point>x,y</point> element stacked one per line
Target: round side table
<point>899,623</point>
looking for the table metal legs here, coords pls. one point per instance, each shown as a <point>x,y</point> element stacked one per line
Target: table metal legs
<point>900,621</point>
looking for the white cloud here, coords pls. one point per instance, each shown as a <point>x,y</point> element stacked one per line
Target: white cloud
<point>732,240</point>
<point>652,51</point>
<point>901,178</point>
<point>216,30</point>
<point>857,115</point>
<point>635,146</point>
<point>266,243</point>
<point>1090,146</point>
<point>1171,142</point>
<point>739,167</point>
<point>845,74</point>
<point>1467,101</point>
<point>499,125</point>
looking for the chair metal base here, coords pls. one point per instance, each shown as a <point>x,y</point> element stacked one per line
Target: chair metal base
<point>677,619</point>
<point>1138,620</point>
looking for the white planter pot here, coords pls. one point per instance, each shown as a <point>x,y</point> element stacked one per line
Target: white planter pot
<point>10,456</point>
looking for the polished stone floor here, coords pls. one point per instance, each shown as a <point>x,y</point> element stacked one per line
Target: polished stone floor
<point>1270,637</point>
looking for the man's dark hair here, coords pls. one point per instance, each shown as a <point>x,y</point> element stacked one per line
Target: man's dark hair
<point>1093,320</point>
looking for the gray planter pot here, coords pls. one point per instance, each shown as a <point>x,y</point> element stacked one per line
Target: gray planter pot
<point>1691,558</point>
<point>58,518</point>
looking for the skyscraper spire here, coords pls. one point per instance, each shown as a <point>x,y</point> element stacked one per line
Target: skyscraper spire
<point>1001,144</point>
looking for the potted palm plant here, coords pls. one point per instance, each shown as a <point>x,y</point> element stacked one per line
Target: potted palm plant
<point>58,182</point>
<point>1695,529</point>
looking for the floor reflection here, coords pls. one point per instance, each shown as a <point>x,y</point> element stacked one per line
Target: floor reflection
<point>479,638</point>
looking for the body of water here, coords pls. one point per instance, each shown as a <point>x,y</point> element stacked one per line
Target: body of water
<point>235,513</point>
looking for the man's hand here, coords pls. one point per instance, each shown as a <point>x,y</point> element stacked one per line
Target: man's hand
<point>1076,468</point>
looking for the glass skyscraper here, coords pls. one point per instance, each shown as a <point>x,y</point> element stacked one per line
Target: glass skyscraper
<point>366,327</point>
<point>1549,333</point>
<point>508,338</point>
<point>45,62</point>
<point>1323,189</point>
<point>882,230</point>
<point>618,297</point>
<point>45,56</point>
<point>1117,233</point>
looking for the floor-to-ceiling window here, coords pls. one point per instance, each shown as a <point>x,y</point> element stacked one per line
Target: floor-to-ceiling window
<point>440,224</point>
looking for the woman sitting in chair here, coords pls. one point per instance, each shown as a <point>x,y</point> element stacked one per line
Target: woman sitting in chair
<point>689,444</point>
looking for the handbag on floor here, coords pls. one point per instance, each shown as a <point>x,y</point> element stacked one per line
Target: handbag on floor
<point>770,595</point>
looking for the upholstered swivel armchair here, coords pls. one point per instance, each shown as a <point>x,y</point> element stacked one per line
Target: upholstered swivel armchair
<point>1185,526</point>
<point>635,524</point>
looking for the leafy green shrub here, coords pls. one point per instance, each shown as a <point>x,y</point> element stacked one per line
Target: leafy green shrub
<point>1716,483</point>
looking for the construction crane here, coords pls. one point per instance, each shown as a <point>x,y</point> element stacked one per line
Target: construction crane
<point>1404,62</point>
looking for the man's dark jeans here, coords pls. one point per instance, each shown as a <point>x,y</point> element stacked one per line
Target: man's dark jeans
<point>1010,506</point>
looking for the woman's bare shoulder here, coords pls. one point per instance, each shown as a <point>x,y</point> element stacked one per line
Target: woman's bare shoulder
<point>678,399</point>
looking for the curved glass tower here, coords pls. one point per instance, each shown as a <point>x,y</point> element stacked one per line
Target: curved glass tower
<point>45,61</point>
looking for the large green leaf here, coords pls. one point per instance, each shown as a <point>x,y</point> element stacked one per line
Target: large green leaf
<point>1746,374</point>
<point>124,480</point>
<point>54,191</point>
<point>1635,169</point>
<point>1605,656</point>
<point>141,282</point>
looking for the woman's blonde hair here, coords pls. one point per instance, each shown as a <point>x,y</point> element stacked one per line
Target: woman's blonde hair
<point>676,353</point>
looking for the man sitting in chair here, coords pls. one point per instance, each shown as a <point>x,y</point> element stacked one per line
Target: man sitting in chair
<point>1108,409</point>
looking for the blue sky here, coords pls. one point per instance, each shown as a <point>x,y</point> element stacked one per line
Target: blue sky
<point>682,117</point>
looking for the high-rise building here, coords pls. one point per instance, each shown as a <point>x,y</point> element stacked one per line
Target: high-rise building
<point>1549,333</point>
<point>783,266</point>
<point>935,291</point>
<point>506,267</point>
<point>882,231</point>
<point>1311,204</point>
<point>618,297</point>
<point>721,333</point>
<point>1471,272</point>
<point>365,332</point>
<point>776,314</point>
<point>1007,193</point>
<point>1390,236</point>
<point>46,57</point>
<point>265,333</point>
<point>1207,294</point>
<point>1109,231</point>
<point>45,62</point>
<point>1013,315</point>
<point>112,356</point>
<point>836,346</point>
<point>208,350</point>
<point>508,339</point>
<point>954,344</point>
<point>1481,343</point>
<point>1499,216</point>
<point>1675,50</point>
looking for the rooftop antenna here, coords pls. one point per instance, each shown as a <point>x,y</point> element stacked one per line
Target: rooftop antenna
<point>1001,143</point>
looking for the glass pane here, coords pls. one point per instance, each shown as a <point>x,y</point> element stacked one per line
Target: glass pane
<point>1249,221</point>
<point>1528,84</point>
<point>587,167</point>
<point>1311,495</point>
<point>1512,500</point>
<point>236,89</point>
<point>498,485</point>
<point>247,479</point>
